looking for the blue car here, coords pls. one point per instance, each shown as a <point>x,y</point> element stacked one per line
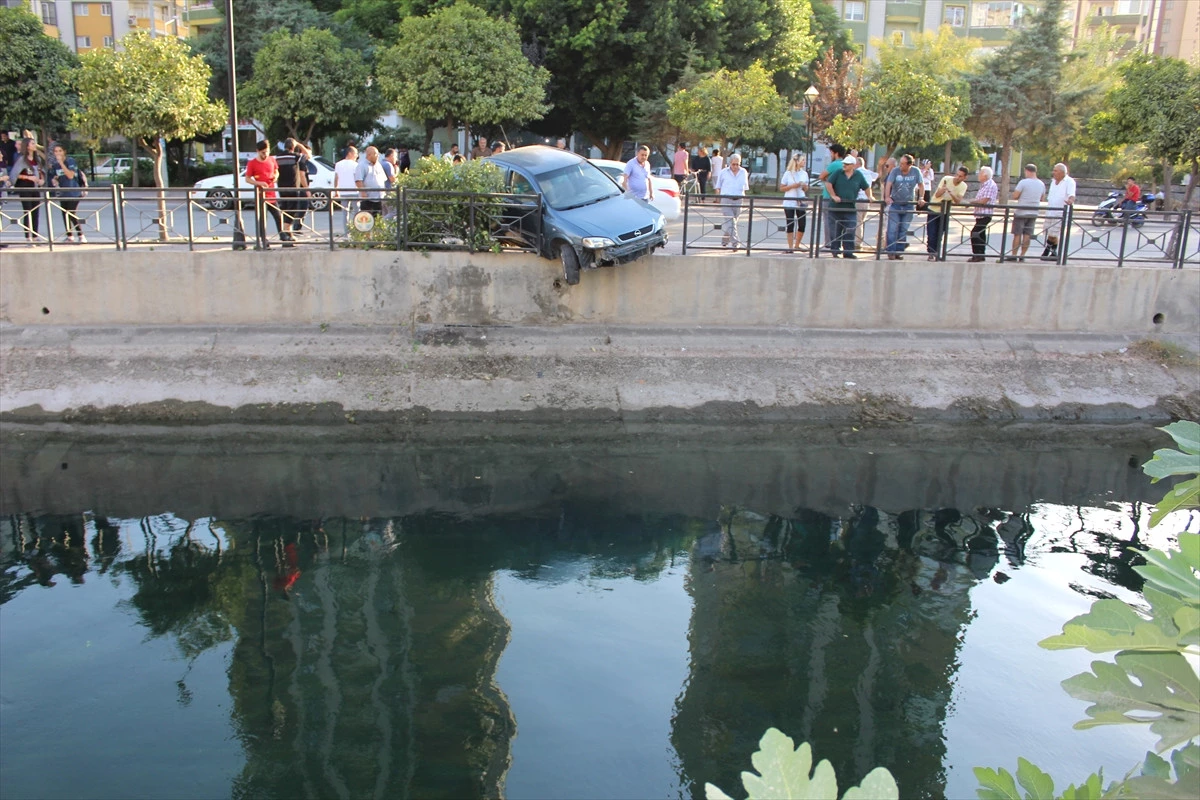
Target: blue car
<point>587,221</point>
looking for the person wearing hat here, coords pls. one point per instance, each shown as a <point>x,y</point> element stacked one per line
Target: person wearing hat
<point>843,186</point>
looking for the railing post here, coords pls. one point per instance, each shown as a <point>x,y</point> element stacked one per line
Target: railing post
<point>49,217</point>
<point>403,230</point>
<point>1181,255</point>
<point>1125,220</point>
<point>191,225</point>
<point>329,211</point>
<point>686,206</point>
<point>818,227</point>
<point>749,225</point>
<point>880,229</point>
<point>119,191</point>
<point>471,223</point>
<point>1064,241</point>
<point>944,231</point>
<point>1003,237</point>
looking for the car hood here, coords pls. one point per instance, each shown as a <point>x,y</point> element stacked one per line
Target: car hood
<point>612,217</point>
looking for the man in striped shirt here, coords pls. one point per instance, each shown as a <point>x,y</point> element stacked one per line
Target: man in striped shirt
<point>985,198</point>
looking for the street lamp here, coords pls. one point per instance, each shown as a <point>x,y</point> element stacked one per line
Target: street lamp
<point>810,98</point>
<point>239,232</point>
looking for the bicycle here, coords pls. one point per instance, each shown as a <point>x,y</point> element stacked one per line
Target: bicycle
<point>690,185</point>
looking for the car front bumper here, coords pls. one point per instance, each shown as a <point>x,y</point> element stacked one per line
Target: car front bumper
<point>628,251</point>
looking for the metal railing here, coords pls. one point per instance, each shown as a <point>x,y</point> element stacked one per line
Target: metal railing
<point>1079,234</point>
<point>126,218</point>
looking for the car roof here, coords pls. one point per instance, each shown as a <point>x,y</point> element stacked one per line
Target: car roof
<point>607,162</point>
<point>536,158</point>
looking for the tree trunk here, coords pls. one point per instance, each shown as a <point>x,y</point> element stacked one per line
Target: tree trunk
<point>1191,190</point>
<point>609,150</point>
<point>946,165</point>
<point>430,126</point>
<point>133,157</point>
<point>160,156</point>
<point>1005,156</point>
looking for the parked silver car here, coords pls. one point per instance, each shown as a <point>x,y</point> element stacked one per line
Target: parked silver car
<point>586,220</point>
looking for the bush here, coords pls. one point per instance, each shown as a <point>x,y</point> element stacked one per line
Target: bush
<point>448,219</point>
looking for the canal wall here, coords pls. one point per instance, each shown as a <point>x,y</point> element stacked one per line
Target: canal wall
<point>89,287</point>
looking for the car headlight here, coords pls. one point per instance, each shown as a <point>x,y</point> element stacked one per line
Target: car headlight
<point>662,223</point>
<point>597,242</point>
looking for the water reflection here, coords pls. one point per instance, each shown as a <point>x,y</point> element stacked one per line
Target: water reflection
<point>365,651</point>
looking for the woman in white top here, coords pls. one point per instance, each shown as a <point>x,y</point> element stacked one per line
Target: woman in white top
<point>793,183</point>
<point>718,164</point>
<point>927,177</point>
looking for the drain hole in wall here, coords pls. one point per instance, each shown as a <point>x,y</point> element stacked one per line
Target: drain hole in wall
<point>45,310</point>
<point>1159,319</point>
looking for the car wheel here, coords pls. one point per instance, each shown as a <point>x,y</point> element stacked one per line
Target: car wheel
<point>570,263</point>
<point>218,199</point>
<point>319,200</point>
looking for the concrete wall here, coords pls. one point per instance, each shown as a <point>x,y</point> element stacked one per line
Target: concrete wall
<point>89,287</point>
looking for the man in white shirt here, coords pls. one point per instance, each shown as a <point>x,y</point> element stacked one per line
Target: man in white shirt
<point>371,181</point>
<point>343,182</point>
<point>1060,195</point>
<point>732,185</point>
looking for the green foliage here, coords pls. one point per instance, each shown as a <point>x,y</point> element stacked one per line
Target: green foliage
<point>151,89</point>
<point>386,138</point>
<point>829,35</point>
<point>1000,785</point>
<point>785,773</point>
<point>460,65</point>
<point>254,21</point>
<point>1015,94</point>
<point>449,218</point>
<point>774,33</point>
<point>738,106</point>
<point>1169,463</point>
<point>1157,105</point>
<point>312,86</point>
<point>34,92</point>
<point>900,106</point>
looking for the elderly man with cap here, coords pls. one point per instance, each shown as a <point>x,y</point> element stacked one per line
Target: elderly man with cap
<point>843,186</point>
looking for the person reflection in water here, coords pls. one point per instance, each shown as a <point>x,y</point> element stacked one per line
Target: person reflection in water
<point>287,567</point>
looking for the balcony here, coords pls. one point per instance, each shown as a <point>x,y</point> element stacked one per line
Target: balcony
<point>904,12</point>
<point>1118,20</point>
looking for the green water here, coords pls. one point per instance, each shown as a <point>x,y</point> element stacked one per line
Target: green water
<point>550,611</point>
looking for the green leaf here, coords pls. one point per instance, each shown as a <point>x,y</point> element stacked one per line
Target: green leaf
<point>713,793</point>
<point>1166,695</point>
<point>995,785</point>
<point>878,785</point>
<point>783,772</point>
<point>1186,434</point>
<point>1166,463</point>
<point>1090,789</point>
<point>1187,763</point>
<point>1156,767</point>
<point>1174,571</point>
<point>1112,625</point>
<point>1037,784</point>
<point>1183,495</point>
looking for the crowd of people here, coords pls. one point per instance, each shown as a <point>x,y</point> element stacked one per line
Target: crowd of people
<point>24,166</point>
<point>907,188</point>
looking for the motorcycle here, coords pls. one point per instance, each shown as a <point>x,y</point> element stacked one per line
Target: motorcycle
<point>1111,211</point>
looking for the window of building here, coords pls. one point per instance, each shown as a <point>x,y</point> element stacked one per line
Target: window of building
<point>1128,7</point>
<point>992,14</point>
<point>81,9</point>
<point>898,38</point>
<point>955,16</point>
<point>82,42</point>
<point>106,9</point>
<point>108,41</point>
<point>139,10</point>
<point>855,10</point>
<point>49,14</point>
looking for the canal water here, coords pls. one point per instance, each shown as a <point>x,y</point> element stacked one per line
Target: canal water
<point>457,610</point>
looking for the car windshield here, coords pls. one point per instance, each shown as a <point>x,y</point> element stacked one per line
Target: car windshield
<point>575,185</point>
<point>321,160</point>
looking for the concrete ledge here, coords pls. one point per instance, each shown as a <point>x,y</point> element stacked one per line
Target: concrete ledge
<point>311,286</point>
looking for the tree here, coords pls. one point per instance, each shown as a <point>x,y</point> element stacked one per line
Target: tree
<point>839,82</point>
<point>828,33</point>
<point>1157,105</point>
<point>311,86</point>
<point>151,90</point>
<point>730,105</point>
<point>460,65</point>
<point>774,33</point>
<point>1014,94</point>
<point>33,92</point>
<point>900,106</point>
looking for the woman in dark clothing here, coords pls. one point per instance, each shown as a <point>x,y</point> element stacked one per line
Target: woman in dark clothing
<point>66,175</point>
<point>701,165</point>
<point>29,172</point>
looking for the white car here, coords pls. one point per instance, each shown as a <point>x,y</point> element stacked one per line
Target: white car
<point>218,190</point>
<point>666,190</point>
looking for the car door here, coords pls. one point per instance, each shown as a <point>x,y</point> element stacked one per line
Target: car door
<point>520,220</point>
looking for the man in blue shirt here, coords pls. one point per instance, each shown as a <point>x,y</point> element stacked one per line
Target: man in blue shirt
<point>843,186</point>
<point>636,179</point>
<point>901,193</point>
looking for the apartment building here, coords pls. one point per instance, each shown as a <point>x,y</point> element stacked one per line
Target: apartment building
<point>992,22</point>
<point>1178,31</point>
<point>83,26</point>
